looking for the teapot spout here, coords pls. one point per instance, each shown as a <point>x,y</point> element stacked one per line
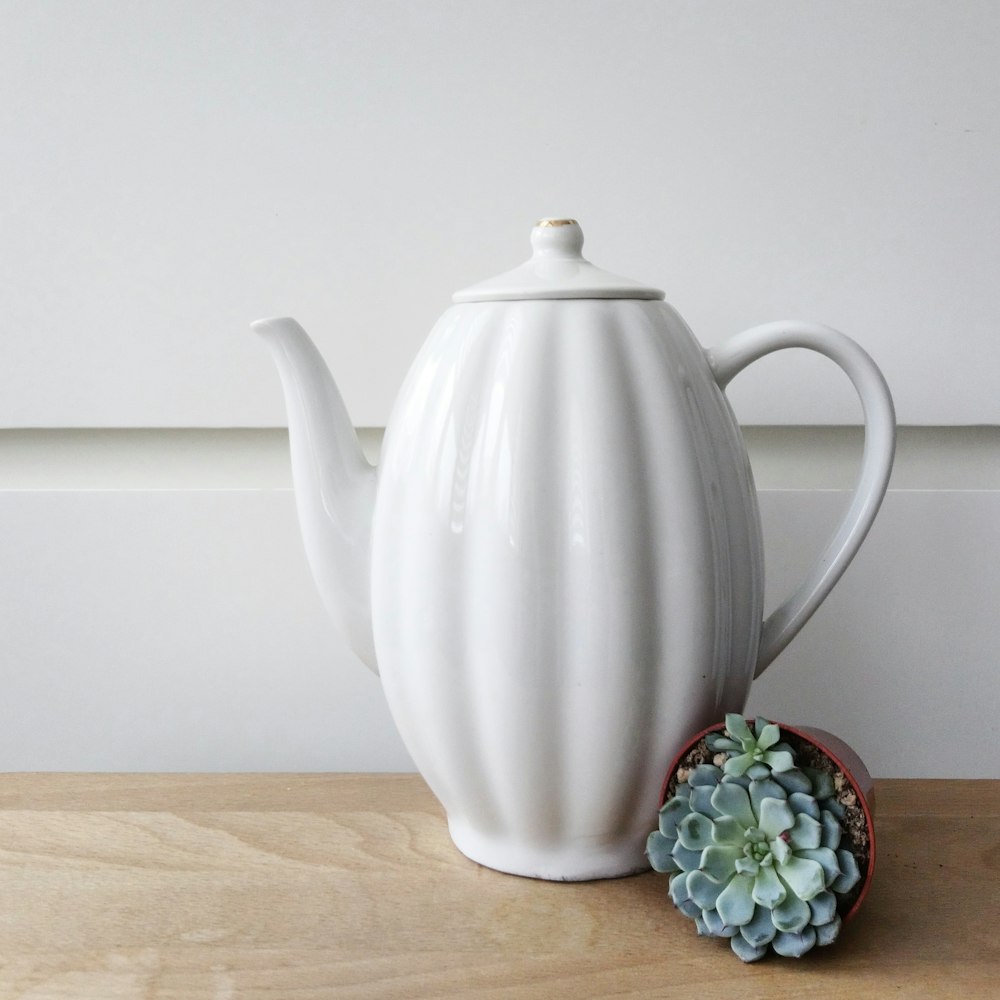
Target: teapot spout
<point>334,482</point>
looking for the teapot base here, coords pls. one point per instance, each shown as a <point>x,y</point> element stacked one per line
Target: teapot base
<point>569,859</point>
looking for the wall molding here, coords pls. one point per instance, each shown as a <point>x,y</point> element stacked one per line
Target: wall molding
<point>962,458</point>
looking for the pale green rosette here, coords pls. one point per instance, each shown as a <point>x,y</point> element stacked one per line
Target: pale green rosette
<point>753,852</point>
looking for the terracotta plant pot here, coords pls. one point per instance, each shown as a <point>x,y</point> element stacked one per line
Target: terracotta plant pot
<point>814,751</point>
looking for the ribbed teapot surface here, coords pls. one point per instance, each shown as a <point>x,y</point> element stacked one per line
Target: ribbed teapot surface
<point>566,573</point>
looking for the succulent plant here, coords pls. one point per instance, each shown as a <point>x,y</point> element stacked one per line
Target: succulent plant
<point>751,751</point>
<point>753,850</point>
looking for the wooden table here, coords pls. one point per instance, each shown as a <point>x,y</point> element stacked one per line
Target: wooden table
<point>294,887</point>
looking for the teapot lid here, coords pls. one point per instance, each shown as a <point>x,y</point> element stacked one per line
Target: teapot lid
<point>556,270</point>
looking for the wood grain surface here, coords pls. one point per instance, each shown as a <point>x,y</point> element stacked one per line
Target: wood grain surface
<point>314,886</point>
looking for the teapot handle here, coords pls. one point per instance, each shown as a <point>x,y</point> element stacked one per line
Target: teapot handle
<point>729,360</point>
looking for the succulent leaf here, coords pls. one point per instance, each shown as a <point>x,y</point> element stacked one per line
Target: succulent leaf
<point>804,877</point>
<point>714,924</point>
<point>726,830</point>
<point>717,927</point>
<point>718,862</point>
<point>734,800</point>
<point>658,850</point>
<point>791,914</point>
<point>793,781</point>
<point>780,850</point>
<point>738,765</point>
<point>776,817</point>
<point>671,814</point>
<point>768,889</point>
<point>835,807</point>
<point>735,903</point>
<point>805,833</point>
<point>694,832</point>
<point>717,742</point>
<point>742,780</point>
<point>823,908</point>
<point>765,788</point>
<point>701,801</point>
<point>794,945</point>
<point>703,890</point>
<point>827,933</point>
<point>705,774</point>
<point>738,729</point>
<point>686,860</point>
<point>760,930</point>
<point>678,888</point>
<point>803,803</point>
<point>827,860</point>
<point>831,830</point>
<point>823,787</point>
<point>779,760</point>
<point>746,951</point>
<point>850,875</point>
<point>767,735</point>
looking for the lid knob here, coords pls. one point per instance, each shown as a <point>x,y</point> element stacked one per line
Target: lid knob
<point>557,270</point>
<point>557,238</point>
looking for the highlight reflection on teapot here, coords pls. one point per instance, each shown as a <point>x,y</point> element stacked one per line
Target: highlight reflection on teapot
<point>557,565</point>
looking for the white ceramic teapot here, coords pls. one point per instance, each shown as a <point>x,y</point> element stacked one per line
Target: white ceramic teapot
<point>557,564</point>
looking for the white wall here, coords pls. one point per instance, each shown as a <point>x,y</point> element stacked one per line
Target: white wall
<point>170,171</point>
<point>173,169</point>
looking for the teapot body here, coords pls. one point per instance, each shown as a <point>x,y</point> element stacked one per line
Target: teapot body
<point>566,573</point>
